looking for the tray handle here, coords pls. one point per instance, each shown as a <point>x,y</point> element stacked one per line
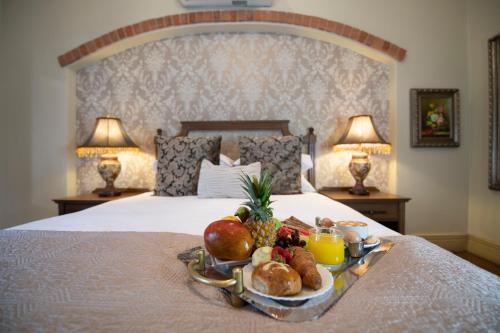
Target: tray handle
<point>196,266</point>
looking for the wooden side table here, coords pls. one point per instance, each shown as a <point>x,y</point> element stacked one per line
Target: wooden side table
<point>385,208</point>
<point>80,202</point>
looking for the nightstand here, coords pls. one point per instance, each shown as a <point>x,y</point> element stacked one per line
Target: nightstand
<point>385,208</point>
<point>77,203</point>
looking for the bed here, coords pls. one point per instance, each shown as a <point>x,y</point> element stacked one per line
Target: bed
<point>114,267</point>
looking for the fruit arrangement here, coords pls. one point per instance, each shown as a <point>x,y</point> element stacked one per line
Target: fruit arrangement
<point>253,227</point>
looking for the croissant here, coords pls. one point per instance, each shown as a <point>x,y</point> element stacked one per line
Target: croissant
<point>304,263</point>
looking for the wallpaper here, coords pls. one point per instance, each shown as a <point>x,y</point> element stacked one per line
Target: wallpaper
<point>232,76</point>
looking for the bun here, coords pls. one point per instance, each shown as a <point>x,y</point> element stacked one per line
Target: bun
<point>277,279</point>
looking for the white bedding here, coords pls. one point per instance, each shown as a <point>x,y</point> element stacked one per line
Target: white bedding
<point>190,214</point>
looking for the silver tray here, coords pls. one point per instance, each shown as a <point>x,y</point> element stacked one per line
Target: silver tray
<point>229,279</point>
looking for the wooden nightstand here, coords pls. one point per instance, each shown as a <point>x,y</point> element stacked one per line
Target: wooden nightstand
<point>385,208</point>
<point>77,203</point>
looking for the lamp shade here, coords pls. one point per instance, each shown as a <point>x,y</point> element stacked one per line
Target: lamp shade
<point>108,137</point>
<point>361,135</point>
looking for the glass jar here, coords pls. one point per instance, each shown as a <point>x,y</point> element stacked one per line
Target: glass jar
<point>327,246</point>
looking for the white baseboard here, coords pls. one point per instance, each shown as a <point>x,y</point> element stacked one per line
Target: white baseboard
<point>484,249</point>
<point>453,243</point>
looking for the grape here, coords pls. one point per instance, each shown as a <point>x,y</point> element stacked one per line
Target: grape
<point>302,243</point>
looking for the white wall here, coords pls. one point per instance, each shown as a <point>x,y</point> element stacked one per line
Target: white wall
<point>483,22</point>
<point>41,133</point>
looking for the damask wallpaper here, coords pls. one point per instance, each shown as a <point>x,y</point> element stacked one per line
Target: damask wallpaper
<point>230,76</point>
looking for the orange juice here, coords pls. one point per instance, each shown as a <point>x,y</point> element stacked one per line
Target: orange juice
<point>327,245</point>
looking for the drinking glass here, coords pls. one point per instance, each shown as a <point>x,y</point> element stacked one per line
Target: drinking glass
<point>327,246</point>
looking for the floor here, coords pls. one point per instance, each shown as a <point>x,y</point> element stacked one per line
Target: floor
<point>484,264</point>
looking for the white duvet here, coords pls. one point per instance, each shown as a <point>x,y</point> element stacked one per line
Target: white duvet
<point>190,214</point>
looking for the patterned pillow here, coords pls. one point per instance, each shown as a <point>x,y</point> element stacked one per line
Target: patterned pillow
<point>179,161</point>
<point>280,155</point>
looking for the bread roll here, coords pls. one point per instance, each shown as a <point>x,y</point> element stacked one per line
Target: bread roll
<point>277,279</point>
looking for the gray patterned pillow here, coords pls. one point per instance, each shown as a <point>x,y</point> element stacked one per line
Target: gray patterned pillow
<point>280,155</point>
<point>179,160</point>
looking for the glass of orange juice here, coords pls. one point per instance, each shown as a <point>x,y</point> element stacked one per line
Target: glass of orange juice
<point>327,246</point>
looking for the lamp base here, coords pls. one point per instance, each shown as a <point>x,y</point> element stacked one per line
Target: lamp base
<point>359,168</point>
<point>109,193</point>
<point>359,190</point>
<point>109,168</point>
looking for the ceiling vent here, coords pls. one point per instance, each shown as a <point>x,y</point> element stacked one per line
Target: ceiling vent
<point>226,3</point>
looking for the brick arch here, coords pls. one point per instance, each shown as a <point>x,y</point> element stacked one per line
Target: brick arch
<point>225,16</point>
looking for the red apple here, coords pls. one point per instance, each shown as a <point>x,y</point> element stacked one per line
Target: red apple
<point>228,240</point>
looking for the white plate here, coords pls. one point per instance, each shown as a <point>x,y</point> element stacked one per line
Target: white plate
<point>305,294</point>
<point>369,246</point>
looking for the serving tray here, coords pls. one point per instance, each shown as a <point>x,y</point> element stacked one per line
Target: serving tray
<point>229,279</point>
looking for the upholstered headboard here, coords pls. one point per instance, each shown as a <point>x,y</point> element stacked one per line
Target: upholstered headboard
<point>308,140</point>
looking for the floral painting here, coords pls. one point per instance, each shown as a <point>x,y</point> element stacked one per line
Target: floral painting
<point>436,117</point>
<point>435,121</point>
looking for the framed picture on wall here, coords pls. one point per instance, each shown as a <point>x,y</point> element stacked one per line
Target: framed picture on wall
<point>494,113</point>
<point>435,117</point>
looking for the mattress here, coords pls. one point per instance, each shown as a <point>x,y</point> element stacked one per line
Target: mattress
<point>190,214</point>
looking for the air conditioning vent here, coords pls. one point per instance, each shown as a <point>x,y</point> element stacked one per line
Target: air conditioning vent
<point>240,3</point>
<point>226,3</point>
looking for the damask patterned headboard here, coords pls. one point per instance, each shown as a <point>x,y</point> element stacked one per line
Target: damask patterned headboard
<point>308,140</point>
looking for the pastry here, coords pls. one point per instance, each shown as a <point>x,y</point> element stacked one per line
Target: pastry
<point>304,263</point>
<point>277,279</point>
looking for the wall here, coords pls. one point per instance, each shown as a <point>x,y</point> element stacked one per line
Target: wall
<point>483,22</point>
<point>43,129</point>
<point>232,76</point>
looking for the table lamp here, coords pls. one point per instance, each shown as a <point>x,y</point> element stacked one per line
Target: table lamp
<point>361,138</point>
<point>107,139</point>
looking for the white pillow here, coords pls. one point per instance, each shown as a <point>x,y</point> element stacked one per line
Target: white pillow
<point>225,161</point>
<point>218,181</point>
<point>306,186</point>
<point>306,162</point>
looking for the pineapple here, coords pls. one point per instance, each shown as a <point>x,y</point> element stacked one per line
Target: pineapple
<point>260,221</point>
